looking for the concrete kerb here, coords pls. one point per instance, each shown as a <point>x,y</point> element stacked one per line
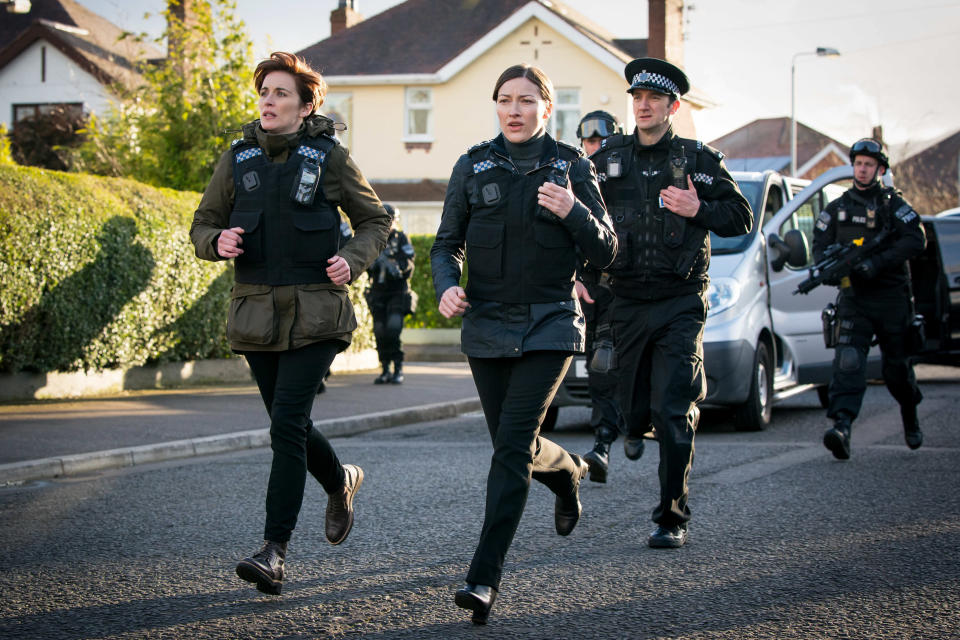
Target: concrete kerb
<point>48,468</point>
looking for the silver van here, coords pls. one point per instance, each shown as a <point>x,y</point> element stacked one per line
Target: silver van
<point>761,342</point>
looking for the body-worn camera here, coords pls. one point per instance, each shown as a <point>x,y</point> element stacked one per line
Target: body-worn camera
<point>542,212</point>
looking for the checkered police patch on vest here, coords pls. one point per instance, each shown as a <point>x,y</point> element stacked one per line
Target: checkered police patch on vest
<point>313,154</point>
<point>480,167</point>
<point>702,177</point>
<point>559,164</point>
<point>656,80</point>
<point>246,154</point>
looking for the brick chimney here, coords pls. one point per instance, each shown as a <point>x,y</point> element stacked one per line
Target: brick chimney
<point>665,25</point>
<point>877,133</point>
<point>344,16</point>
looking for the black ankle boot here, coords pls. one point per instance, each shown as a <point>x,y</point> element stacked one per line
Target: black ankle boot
<point>598,459</point>
<point>384,377</point>
<point>837,439</point>
<point>911,427</point>
<point>265,567</point>
<point>397,377</point>
<point>477,597</point>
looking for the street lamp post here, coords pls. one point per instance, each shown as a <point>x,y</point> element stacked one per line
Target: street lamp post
<point>827,52</point>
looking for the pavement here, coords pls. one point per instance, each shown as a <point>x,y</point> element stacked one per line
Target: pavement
<point>49,439</point>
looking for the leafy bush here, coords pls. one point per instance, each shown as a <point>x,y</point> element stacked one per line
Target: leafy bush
<point>47,140</point>
<point>427,315</point>
<point>5,155</point>
<point>99,273</point>
<point>172,129</point>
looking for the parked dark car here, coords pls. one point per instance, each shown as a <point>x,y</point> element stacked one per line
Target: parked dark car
<point>936,289</point>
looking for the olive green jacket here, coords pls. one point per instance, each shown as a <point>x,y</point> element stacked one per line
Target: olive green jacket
<point>277,318</point>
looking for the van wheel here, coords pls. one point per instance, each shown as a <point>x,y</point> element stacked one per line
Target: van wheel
<point>823,394</point>
<point>549,420</point>
<point>754,414</point>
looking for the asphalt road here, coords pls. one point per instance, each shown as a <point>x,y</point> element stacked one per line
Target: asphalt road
<point>786,542</point>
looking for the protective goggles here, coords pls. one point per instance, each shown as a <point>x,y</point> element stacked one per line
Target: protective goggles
<point>866,146</point>
<point>596,127</point>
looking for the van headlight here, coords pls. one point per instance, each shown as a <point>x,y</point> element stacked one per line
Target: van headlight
<point>722,294</point>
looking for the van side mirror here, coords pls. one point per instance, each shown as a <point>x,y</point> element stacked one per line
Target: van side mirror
<point>791,249</point>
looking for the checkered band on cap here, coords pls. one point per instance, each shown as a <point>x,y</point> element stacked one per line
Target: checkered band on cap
<point>559,164</point>
<point>656,80</point>
<point>480,167</point>
<point>246,154</point>
<point>311,153</point>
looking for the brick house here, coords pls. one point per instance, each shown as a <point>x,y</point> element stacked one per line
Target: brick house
<point>765,144</point>
<point>930,179</point>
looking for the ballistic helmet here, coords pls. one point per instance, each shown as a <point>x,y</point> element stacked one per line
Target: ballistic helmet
<point>600,124</point>
<point>869,147</point>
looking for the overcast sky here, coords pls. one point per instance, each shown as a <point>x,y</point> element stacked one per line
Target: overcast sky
<point>898,63</point>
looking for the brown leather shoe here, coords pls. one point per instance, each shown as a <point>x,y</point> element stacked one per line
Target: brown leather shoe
<point>567,509</point>
<point>340,505</point>
<point>265,567</point>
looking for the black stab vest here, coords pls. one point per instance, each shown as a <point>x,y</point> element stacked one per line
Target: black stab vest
<point>284,242</point>
<point>653,241</point>
<point>514,256</point>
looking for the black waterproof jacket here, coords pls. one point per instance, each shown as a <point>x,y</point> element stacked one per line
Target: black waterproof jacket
<point>526,300</point>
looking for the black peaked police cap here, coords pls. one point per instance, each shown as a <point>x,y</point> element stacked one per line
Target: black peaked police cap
<point>656,75</point>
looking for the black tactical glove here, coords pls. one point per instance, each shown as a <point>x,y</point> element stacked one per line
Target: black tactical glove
<point>866,269</point>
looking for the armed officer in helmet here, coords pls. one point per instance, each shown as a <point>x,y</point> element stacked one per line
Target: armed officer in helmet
<point>876,299</point>
<point>593,289</point>
<point>665,194</point>
<point>390,299</point>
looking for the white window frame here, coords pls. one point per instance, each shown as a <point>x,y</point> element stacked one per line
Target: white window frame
<point>572,107</point>
<point>409,106</point>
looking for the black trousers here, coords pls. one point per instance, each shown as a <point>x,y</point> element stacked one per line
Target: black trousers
<point>886,315</point>
<point>288,382</point>
<point>660,353</point>
<point>605,416</point>
<point>388,310</point>
<point>515,394</point>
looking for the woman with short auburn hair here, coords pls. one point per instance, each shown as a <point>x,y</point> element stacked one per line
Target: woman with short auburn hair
<point>271,207</point>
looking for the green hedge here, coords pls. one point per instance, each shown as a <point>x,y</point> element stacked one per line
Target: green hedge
<point>99,273</point>
<point>427,315</point>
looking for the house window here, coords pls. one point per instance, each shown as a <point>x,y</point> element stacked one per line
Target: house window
<point>566,116</point>
<point>418,115</point>
<point>339,108</point>
<point>25,111</point>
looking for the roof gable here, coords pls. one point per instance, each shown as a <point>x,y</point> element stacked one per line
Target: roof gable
<point>402,42</point>
<point>95,44</point>
<point>770,138</point>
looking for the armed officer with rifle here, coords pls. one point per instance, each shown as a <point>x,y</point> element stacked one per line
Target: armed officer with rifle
<point>879,232</point>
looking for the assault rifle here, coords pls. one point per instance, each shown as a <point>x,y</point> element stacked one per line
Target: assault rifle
<point>840,259</point>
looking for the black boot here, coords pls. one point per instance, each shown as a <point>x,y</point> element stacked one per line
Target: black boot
<point>477,597</point>
<point>384,377</point>
<point>566,508</point>
<point>265,567</point>
<point>598,459</point>
<point>397,373</point>
<point>339,516</point>
<point>837,439</point>
<point>911,427</point>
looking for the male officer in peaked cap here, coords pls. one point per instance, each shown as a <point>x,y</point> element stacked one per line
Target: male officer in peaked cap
<point>664,194</point>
